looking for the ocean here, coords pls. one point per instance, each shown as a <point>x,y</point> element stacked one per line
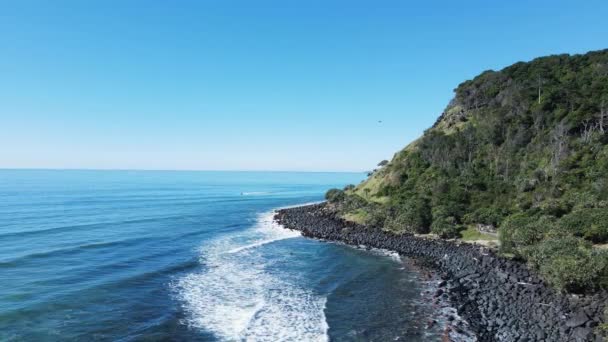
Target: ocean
<point>190,256</point>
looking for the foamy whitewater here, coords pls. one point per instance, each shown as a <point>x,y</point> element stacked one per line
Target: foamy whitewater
<point>190,256</point>
<point>236,298</point>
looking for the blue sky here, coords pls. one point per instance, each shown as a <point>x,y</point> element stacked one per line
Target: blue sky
<point>254,85</point>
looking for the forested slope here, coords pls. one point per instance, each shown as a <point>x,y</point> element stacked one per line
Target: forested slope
<point>523,149</point>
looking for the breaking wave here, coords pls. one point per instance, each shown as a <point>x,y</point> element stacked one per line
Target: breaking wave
<point>236,298</point>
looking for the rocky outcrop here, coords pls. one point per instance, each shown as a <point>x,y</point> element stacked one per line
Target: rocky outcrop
<point>487,229</point>
<point>501,299</point>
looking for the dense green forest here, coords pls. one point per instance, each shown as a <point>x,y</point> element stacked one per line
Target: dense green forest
<point>524,150</point>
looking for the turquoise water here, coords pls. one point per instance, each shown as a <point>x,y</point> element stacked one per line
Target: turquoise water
<point>160,255</point>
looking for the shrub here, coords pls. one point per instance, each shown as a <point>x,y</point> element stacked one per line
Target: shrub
<point>488,215</point>
<point>522,230</point>
<point>376,217</point>
<point>582,199</point>
<point>446,227</point>
<point>568,263</point>
<point>452,208</point>
<point>414,216</point>
<point>588,223</point>
<point>444,223</point>
<point>512,230</point>
<point>353,202</point>
<point>349,187</point>
<point>334,195</point>
<point>554,207</point>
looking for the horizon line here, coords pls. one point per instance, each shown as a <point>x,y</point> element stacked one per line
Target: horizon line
<point>165,170</point>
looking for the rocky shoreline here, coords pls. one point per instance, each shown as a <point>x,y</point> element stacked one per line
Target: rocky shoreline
<point>499,298</point>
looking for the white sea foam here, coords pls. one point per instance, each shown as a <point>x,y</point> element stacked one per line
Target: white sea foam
<point>377,251</point>
<point>253,245</point>
<point>237,299</point>
<point>387,253</point>
<point>299,205</point>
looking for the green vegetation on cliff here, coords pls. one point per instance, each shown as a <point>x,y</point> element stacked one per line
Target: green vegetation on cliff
<point>524,150</point>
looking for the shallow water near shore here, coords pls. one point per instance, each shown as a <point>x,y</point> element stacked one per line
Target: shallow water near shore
<point>158,255</point>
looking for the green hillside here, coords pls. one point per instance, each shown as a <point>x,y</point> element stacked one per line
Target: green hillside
<point>525,150</point>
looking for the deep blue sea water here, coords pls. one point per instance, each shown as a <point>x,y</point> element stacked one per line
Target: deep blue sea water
<point>178,256</point>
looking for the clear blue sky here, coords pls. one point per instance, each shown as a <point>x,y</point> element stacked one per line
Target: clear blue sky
<point>254,85</point>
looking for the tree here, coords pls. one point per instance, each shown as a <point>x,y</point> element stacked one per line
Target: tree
<point>587,132</point>
<point>558,140</point>
<point>540,85</point>
<point>334,195</point>
<point>413,216</point>
<point>588,223</point>
<point>446,227</point>
<point>366,191</point>
<point>602,115</point>
<point>383,163</point>
<point>569,263</point>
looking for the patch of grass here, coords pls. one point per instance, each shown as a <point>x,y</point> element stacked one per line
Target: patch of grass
<point>359,216</point>
<point>471,234</point>
<point>370,187</point>
<point>380,199</point>
<point>507,255</point>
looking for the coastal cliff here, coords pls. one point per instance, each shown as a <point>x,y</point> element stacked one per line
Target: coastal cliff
<point>500,299</point>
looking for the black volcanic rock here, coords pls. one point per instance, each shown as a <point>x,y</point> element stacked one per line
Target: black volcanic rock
<point>501,299</point>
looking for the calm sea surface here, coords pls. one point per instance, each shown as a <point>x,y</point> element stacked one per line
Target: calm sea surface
<point>177,256</point>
